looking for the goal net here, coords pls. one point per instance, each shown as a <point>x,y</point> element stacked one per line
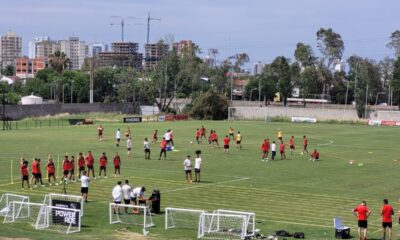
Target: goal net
<point>250,219</point>
<point>7,198</point>
<point>131,214</point>
<point>64,201</point>
<point>389,116</point>
<point>247,113</point>
<point>66,220</point>
<point>222,226</point>
<point>182,218</point>
<point>26,212</point>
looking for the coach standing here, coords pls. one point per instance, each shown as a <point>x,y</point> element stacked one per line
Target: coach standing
<point>362,213</point>
<point>85,185</point>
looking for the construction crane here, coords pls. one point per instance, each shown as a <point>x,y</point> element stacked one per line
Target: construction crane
<point>149,18</point>
<point>122,24</point>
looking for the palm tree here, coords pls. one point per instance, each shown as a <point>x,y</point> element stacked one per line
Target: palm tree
<point>59,62</point>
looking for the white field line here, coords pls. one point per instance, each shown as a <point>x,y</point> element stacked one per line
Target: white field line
<point>326,144</point>
<point>206,185</point>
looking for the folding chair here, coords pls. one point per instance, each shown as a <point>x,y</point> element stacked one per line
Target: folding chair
<point>341,231</point>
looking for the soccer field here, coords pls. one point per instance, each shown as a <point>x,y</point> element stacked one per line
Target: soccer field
<point>294,194</point>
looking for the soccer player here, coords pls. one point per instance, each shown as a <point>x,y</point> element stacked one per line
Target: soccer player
<point>65,167</point>
<point>362,213</point>
<point>100,130</point>
<point>103,165</point>
<point>305,144</point>
<point>127,133</point>
<point>280,134</point>
<point>282,150</point>
<point>314,155</point>
<point>210,136</point>
<point>117,196</point>
<point>230,131</point>
<point>24,173</point>
<point>137,196</point>
<point>81,164</point>
<point>163,146</point>
<point>85,185</point>
<point>214,138</point>
<point>51,171</point>
<point>167,137</point>
<point>155,137</point>
<point>72,168</point>
<point>39,172</point>
<point>197,166</point>
<point>146,148</point>
<point>273,150</point>
<point>387,213</point>
<point>171,137</point>
<point>265,146</point>
<point>198,134</point>
<point>90,163</point>
<point>203,132</point>
<point>187,166</point>
<point>117,164</point>
<point>126,194</point>
<point>238,141</point>
<point>129,147</point>
<point>227,139</point>
<point>291,144</point>
<point>118,137</point>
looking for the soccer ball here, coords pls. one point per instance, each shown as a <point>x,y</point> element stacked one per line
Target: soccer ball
<point>191,141</point>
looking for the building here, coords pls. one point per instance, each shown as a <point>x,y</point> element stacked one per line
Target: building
<point>183,46</point>
<point>123,54</point>
<point>33,44</point>
<point>45,49</point>
<point>28,67</point>
<point>75,50</point>
<point>258,68</point>
<point>97,48</point>
<point>10,49</point>
<point>154,53</point>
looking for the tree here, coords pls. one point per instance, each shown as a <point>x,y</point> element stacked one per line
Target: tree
<point>105,85</point>
<point>126,82</point>
<point>395,42</point>
<point>9,70</point>
<point>330,45</point>
<point>386,66</point>
<point>310,82</point>
<point>280,72</point>
<point>210,106</point>
<point>304,55</point>
<point>58,61</point>
<point>395,83</point>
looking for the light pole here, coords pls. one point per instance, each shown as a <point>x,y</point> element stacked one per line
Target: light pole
<point>347,94</point>
<point>259,91</point>
<point>72,91</point>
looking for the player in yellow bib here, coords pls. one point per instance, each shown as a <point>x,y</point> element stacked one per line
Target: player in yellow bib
<point>280,135</point>
<point>238,140</point>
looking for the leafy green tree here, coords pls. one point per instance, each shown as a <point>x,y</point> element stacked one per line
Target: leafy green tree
<point>59,62</point>
<point>210,106</point>
<point>394,42</point>
<point>330,45</point>
<point>126,85</point>
<point>310,82</point>
<point>104,84</point>
<point>304,55</point>
<point>395,83</point>
<point>9,70</point>
<point>79,82</point>
<point>280,72</point>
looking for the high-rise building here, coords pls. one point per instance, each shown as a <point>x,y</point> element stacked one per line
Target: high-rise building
<point>27,68</point>
<point>10,49</point>
<point>97,48</point>
<point>154,53</point>
<point>123,54</point>
<point>46,48</point>
<point>75,50</point>
<point>258,68</point>
<point>33,45</point>
<point>183,46</point>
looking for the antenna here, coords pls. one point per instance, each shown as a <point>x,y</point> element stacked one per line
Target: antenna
<point>149,18</point>
<point>122,24</point>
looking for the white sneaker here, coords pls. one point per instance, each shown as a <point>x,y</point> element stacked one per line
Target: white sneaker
<point>56,184</point>
<point>49,184</point>
<point>105,177</point>
<point>43,185</point>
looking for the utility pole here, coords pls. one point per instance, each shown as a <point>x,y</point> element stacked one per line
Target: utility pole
<point>149,18</point>
<point>122,24</point>
<point>91,81</point>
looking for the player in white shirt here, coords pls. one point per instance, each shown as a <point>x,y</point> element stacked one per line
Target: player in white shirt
<point>129,147</point>
<point>187,166</point>
<point>84,185</point>
<point>197,166</point>
<point>273,150</point>
<point>146,148</point>
<point>118,137</point>
<point>137,195</point>
<point>126,192</point>
<point>117,195</point>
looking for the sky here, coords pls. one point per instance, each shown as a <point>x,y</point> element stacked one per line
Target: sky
<point>264,29</point>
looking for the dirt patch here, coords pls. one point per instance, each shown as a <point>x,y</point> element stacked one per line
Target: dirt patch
<point>125,233</point>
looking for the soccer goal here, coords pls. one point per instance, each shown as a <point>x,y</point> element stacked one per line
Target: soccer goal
<point>26,212</point>
<point>65,201</point>
<point>182,218</point>
<point>7,198</point>
<point>66,220</point>
<point>222,226</point>
<point>247,113</point>
<point>131,214</point>
<point>250,219</point>
<point>389,116</point>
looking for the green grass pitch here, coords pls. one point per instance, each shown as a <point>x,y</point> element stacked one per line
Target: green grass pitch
<point>293,194</point>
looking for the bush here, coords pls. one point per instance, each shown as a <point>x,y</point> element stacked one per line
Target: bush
<point>210,106</point>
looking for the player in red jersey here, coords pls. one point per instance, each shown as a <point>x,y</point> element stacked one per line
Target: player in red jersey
<point>282,150</point>
<point>103,165</point>
<point>214,138</point>
<point>362,213</point>
<point>51,170</point>
<point>163,146</point>
<point>291,145</point>
<point>210,136</point>
<point>72,168</point>
<point>117,165</point>
<point>198,135</point>
<point>90,163</point>
<point>36,173</point>
<point>265,146</point>
<point>65,167</point>
<point>305,144</point>
<point>226,144</point>
<point>81,164</point>
<point>387,213</point>
<point>24,173</point>
<point>314,155</point>
<point>100,130</point>
<point>203,132</point>
<point>155,137</point>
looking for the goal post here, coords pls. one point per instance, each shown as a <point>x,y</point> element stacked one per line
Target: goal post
<point>250,219</point>
<point>7,198</point>
<point>65,201</point>
<point>60,219</point>
<point>389,116</point>
<point>25,212</point>
<point>247,113</point>
<point>222,226</point>
<point>182,218</point>
<point>130,214</point>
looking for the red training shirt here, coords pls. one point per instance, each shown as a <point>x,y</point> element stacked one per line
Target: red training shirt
<point>103,161</point>
<point>117,161</point>
<point>24,170</point>
<point>282,147</point>
<point>66,165</point>
<point>89,160</point>
<point>81,162</point>
<point>291,142</point>
<point>387,212</point>
<point>34,167</point>
<point>226,141</point>
<point>50,168</point>
<point>362,212</point>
